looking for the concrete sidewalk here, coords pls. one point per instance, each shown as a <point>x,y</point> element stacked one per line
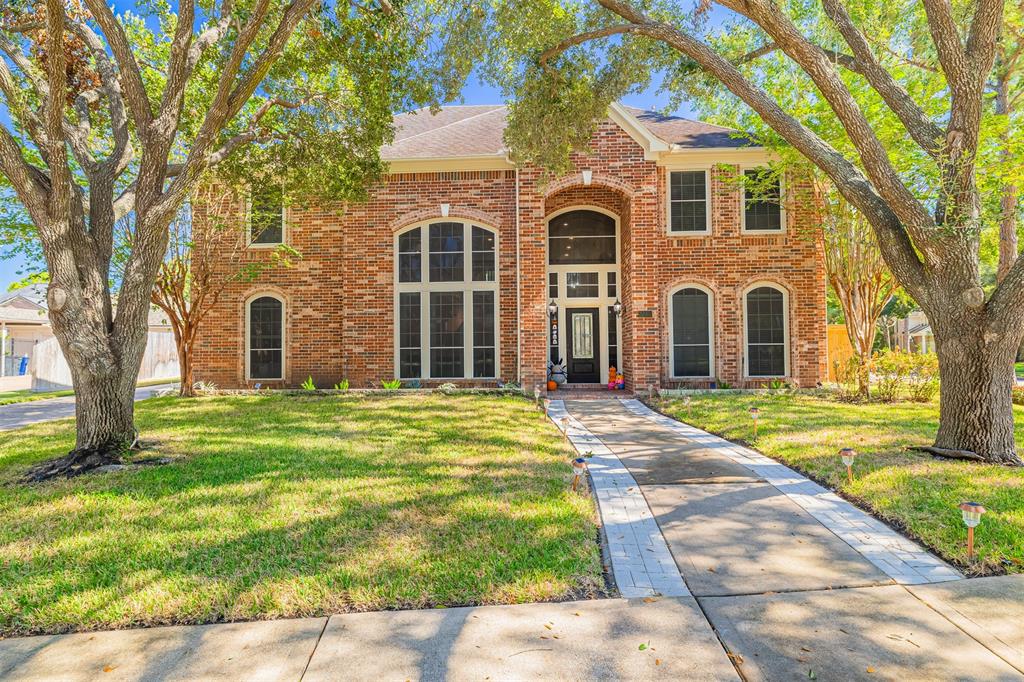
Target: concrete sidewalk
<point>17,415</point>
<point>612,639</point>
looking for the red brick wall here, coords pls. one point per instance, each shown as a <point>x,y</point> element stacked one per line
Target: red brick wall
<point>340,294</point>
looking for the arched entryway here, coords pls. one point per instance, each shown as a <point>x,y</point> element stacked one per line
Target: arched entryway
<point>584,280</point>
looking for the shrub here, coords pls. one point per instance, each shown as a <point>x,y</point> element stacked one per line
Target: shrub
<point>777,385</point>
<point>891,367</point>
<point>308,384</point>
<point>447,388</point>
<point>723,384</point>
<point>341,385</point>
<point>847,378</point>
<point>1018,395</point>
<point>923,379</point>
<point>391,384</point>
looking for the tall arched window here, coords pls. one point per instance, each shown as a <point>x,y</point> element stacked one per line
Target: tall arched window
<point>446,296</point>
<point>691,314</point>
<point>264,355</point>
<point>767,331</point>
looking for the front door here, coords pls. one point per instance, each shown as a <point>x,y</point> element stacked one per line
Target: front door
<point>581,333</point>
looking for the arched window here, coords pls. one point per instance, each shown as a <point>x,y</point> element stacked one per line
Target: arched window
<point>767,331</point>
<point>581,237</point>
<point>691,313</point>
<point>445,312</point>
<point>265,337</point>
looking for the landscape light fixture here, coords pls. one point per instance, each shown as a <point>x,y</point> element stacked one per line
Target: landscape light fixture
<point>547,406</point>
<point>565,429</point>
<point>536,395</point>
<point>688,404</point>
<point>579,466</point>
<point>617,308</point>
<point>552,308</point>
<point>754,413</point>
<point>848,455</point>
<point>971,512</point>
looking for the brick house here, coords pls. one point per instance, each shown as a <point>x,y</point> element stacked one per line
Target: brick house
<point>652,256</point>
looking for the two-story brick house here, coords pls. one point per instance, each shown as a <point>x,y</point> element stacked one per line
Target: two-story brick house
<point>652,256</point>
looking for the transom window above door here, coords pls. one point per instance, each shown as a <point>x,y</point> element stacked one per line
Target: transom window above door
<point>581,237</point>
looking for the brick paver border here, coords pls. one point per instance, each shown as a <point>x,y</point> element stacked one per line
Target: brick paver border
<point>641,561</point>
<point>901,559</point>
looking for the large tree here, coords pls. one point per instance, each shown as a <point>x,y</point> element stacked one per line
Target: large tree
<point>904,150</point>
<point>122,114</point>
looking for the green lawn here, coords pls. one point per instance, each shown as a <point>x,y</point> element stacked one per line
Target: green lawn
<point>1018,368</point>
<point>912,490</point>
<point>26,395</point>
<point>294,506</point>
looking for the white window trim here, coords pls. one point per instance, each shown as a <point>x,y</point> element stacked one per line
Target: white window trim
<point>248,337</point>
<point>672,331</point>
<point>709,204</point>
<point>785,331</point>
<point>467,286</point>
<point>783,223</point>
<point>602,302</point>
<point>250,244</point>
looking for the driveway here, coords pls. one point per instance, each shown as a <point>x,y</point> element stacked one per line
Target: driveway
<point>22,414</point>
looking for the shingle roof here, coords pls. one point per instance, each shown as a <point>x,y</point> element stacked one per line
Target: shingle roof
<point>454,131</point>
<point>477,130</point>
<point>688,133</point>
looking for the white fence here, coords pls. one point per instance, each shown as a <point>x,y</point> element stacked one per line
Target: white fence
<point>50,371</point>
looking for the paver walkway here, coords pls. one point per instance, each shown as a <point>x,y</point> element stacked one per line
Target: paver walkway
<point>16,415</point>
<point>797,582</point>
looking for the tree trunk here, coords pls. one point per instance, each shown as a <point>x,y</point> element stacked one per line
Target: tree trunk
<point>104,410</point>
<point>185,369</point>
<point>976,407</point>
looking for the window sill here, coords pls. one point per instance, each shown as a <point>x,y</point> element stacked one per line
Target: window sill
<point>688,234</point>
<point>267,245</point>
<point>762,233</point>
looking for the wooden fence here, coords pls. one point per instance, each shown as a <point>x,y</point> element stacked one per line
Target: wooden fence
<point>50,371</point>
<point>839,348</point>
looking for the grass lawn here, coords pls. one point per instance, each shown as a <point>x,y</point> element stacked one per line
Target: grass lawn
<point>1018,368</point>
<point>294,506</point>
<point>911,490</point>
<point>26,395</point>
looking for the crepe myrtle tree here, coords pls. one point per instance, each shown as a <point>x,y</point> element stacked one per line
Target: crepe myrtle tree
<point>118,114</point>
<point>903,151</point>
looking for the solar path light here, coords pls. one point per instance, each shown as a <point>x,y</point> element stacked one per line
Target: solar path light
<point>565,429</point>
<point>754,414</point>
<point>971,512</point>
<point>848,455</point>
<point>579,467</point>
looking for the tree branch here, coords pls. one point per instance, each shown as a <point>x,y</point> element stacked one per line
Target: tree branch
<point>922,129</point>
<point>899,251</point>
<point>581,38</point>
<point>130,75</point>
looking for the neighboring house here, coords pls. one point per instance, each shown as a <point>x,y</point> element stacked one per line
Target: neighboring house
<point>23,324</point>
<point>914,333</point>
<point>29,346</point>
<point>463,267</point>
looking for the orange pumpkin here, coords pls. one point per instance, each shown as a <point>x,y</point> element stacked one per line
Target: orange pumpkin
<point>552,386</point>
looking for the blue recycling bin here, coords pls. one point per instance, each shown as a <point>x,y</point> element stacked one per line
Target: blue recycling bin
<point>23,366</point>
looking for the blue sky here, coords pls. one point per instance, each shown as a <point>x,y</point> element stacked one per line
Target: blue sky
<point>474,93</point>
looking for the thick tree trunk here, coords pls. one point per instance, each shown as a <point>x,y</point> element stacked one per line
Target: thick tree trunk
<point>976,409</point>
<point>104,410</point>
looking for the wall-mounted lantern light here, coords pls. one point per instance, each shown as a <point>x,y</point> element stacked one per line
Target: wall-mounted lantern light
<point>848,455</point>
<point>552,308</point>
<point>971,512</point>
<point>617,308</point>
